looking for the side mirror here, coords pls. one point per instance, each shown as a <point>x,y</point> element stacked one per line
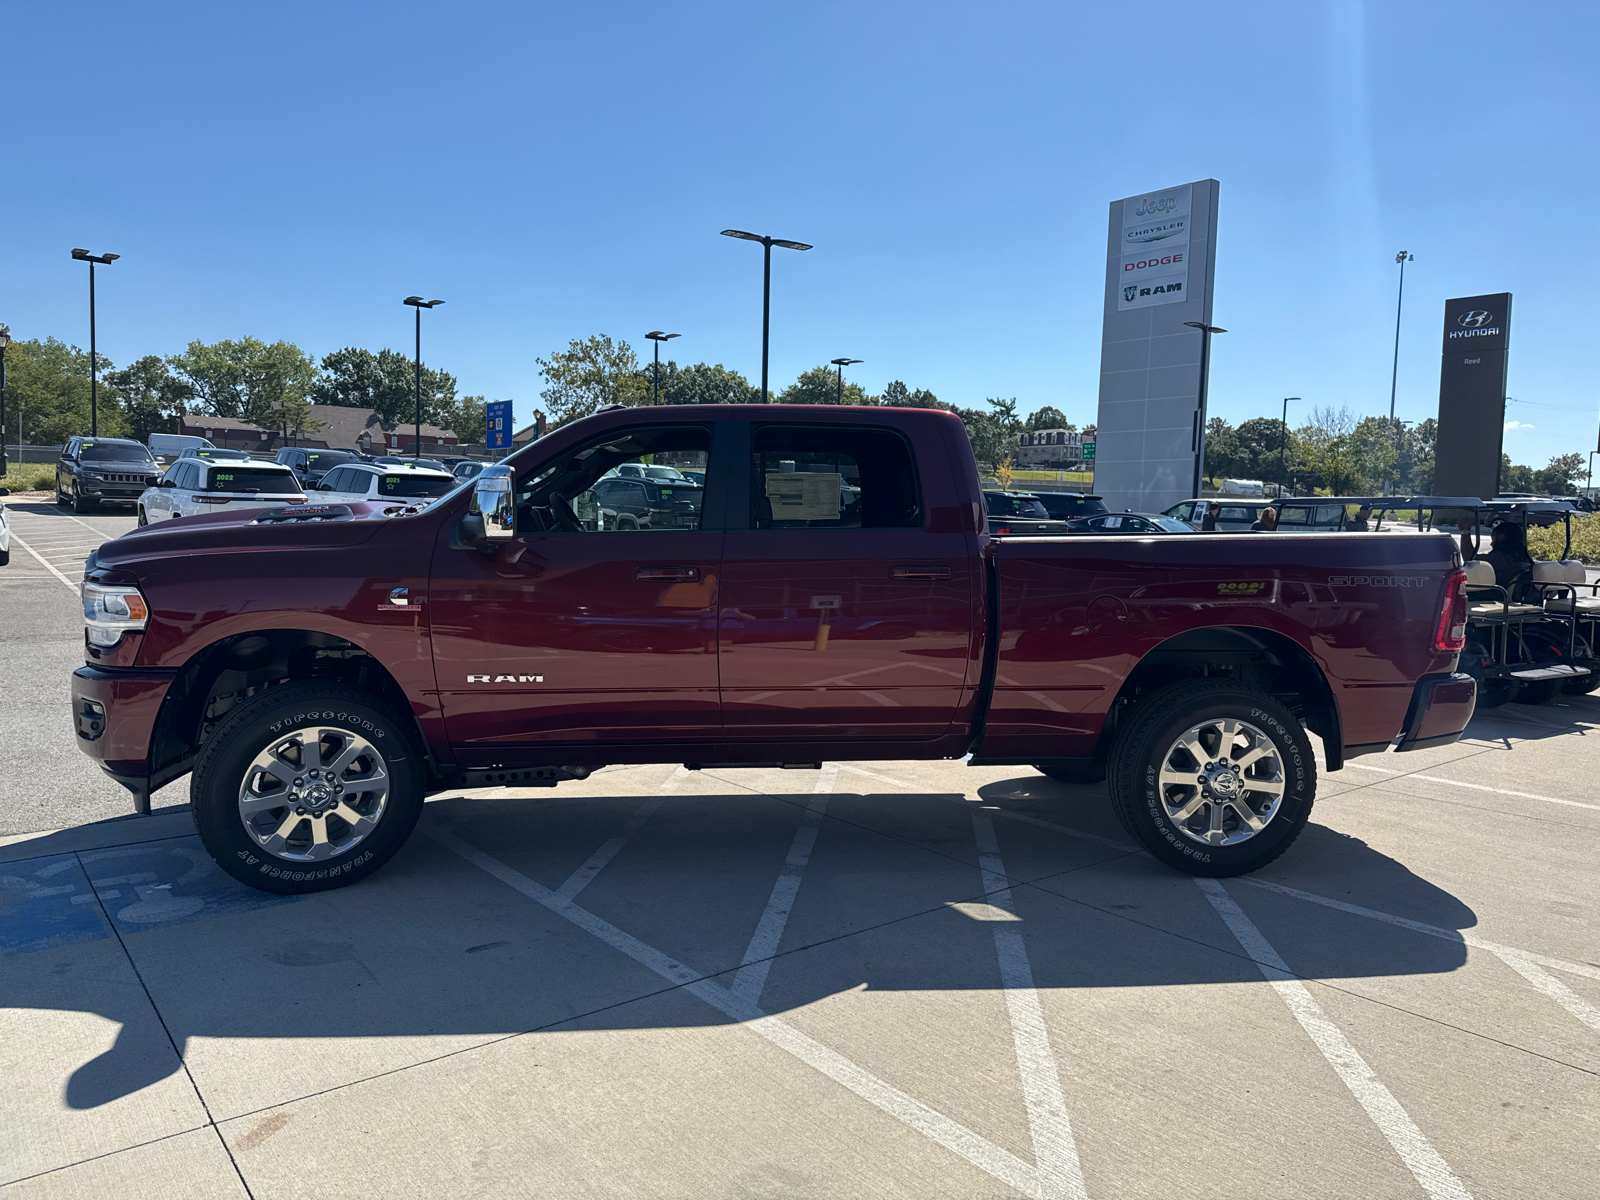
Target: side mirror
<point>493,500</point>
<point>160,462</point>
<point>166,483</point>
<point>4,492</point>
<point>323,487</point>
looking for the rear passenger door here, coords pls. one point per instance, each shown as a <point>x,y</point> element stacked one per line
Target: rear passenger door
<point>842,615</point>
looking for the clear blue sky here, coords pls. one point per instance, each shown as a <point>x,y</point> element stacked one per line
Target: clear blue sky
<point>558,170</point>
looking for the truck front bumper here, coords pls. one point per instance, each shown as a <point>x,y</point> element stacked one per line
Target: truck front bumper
<point>1441,706</point>
<point>114,712</point>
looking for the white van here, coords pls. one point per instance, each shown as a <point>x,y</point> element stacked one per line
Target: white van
<point>171,445</point>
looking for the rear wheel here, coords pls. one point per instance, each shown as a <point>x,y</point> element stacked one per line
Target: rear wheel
<point>1584,684</point>
<point>1212,778</point>
<point>306,787</point>
<point>1476,660</point>
<point>1543,649</point>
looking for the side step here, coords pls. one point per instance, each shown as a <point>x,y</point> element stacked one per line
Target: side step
<point>523,777</point>
<point>800,766</point>
<point>1564,671</point>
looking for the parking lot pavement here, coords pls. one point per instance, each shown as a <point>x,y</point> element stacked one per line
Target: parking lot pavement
<point>878,979</point>
<point>884,979</point>
<point>45,782</point>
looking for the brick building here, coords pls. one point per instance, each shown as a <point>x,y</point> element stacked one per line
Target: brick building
<point>341,428</point>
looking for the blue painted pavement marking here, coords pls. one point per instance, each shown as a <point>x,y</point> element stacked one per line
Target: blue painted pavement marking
<point>45,903</point>
<point>52,901</point>
<point>154,885</point>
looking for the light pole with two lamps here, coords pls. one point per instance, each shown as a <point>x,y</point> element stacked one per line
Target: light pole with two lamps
<point>418,303</point>
<point>1205,377</point>
<point>656,336</point>
<point>94,371</point>
<point>1394,374</point>
<point>842,363</point>
<point>767,243</point>
<point>1283,441</point>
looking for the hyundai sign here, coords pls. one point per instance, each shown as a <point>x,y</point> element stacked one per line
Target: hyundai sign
<point>1160,254</point>
<point>1472,395</point>
<point>497,424</point>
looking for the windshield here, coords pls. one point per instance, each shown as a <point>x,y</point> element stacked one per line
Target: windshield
<point>323,459</point>
<point>278,480</point>
<point>665,475</point>
<point>111,452</point>
<point>414,485</point>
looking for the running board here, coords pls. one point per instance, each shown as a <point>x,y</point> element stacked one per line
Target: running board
<point>1564,671</point>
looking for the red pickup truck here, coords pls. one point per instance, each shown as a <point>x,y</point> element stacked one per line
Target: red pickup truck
<point>830,591</point>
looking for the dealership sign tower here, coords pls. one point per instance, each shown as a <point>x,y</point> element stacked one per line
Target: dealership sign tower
<point>1160,258</point>
<point>1472,396</point>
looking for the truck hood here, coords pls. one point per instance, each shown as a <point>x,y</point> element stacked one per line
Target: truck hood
<point>244,531</point>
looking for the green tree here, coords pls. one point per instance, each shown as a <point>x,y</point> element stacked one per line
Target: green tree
<point>243,378</point>
<point>590,373</point>
<point>47,385</point>
<point>898,395</point>
<point>1514,477</point>
<point>1264,450</point>
<point>1375,444</point>
<point>465,417</point>
<point>704,383</point>
<point>820,385</point>
<point>151,397</point>
<point>1559,477</point>
<point>1222,449</point>
<point>1049,417</point>
<point>386,382</point>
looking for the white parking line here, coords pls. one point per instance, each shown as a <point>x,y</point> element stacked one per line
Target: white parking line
<point>597,861</point>
<point>44,562</point>
<point>1477,787</point>
<point>1054,1150</point>
<point>751,978</point>
<point>953,1136</point>
<point>1414,1149</point>
<point>1552,987</point>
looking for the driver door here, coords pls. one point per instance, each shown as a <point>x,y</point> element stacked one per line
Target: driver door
<point>580,631</point>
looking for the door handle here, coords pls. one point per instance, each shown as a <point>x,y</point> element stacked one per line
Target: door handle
<point>919,572</point>
<point>667,574</point>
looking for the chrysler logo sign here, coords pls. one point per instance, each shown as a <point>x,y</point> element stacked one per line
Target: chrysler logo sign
<point>1474,320</point>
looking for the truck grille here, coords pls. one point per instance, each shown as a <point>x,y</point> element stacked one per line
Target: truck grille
<point>119,477</point>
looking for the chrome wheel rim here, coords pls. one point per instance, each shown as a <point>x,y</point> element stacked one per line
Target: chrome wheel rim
<point>1222,782</point>
<point>313,793</point>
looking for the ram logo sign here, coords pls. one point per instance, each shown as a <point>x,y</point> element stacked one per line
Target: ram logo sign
<point>505,678</point>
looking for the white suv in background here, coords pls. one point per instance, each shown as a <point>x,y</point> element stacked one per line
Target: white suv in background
<point>196,485</point>
<point>356,483</point>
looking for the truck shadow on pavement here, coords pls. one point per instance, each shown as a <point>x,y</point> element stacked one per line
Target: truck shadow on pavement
<point>442,948</point>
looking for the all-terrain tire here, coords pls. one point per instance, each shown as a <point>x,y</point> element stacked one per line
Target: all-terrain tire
<point>1094,772</point>
<point>1150,736</point>
<point>79,504</point>
<point>264,722</point>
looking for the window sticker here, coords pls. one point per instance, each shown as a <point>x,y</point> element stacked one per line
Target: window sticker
<point>804,495</point>
<point>1113,522</point>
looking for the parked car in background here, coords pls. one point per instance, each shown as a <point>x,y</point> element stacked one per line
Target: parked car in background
<point>1231,515</point>
<point>1126,523</point>
<point>623,502</point>
<point>1019,513</point>
<point>5,530</point>
<point>652,472</point>
<point>310,466</point>
<point>356,483</point>
<point>172,445</point>
<point>216,454</point>
<point>467,469</point>
<point>93,471</point>
<point>193,486</point>
<point>1065,506</point>
<point>395,460</point>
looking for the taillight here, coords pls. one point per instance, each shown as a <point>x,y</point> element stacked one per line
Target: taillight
<point>213,499</point>
<point>1003,529</point>
<point>1451,632</point>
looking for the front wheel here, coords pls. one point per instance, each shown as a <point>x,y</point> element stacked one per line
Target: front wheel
<point>142,519</point>
<point>1212,778</point>
<point>306,787</point>
<point>79,504</point>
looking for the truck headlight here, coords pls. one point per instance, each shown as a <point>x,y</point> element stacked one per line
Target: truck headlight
<point>109,611</point>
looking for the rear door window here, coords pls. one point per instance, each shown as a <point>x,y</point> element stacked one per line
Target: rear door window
<point>832,477</point>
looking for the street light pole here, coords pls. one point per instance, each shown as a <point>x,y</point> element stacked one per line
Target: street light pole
<point>656,336</point>
<point>418,303</point>
<point>1283,441</point>
<point>1394,374</point>
<point>767,243</point>
<point>1205,378</point>
<point>94,369</point>
<point>842,363</point>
